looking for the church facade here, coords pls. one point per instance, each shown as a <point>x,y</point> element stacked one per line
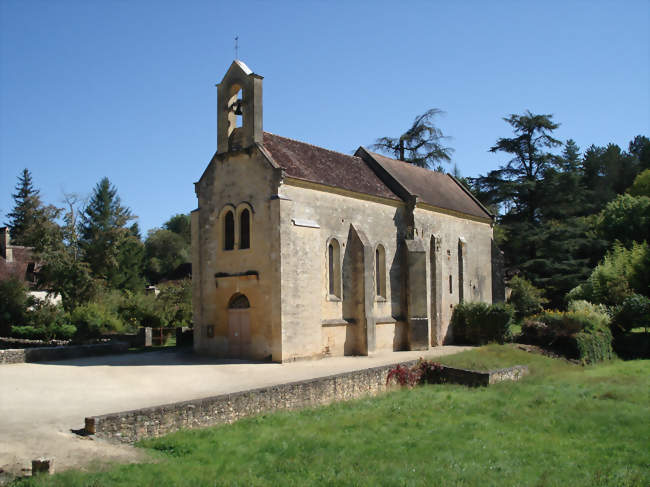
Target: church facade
<point>302,252</point>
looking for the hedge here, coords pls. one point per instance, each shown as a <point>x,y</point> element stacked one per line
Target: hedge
<point>480,323</point>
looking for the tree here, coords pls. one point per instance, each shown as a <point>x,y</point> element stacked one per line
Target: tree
<point>641,185</point>
<point>640,148</point>
<point>525,171</point>
<point>165,251</point>
<point>421,145</point>
<point>30,222</point>
<point>181,225</point>
<point>106,241</point>
<point>626,219</point>
<point>63,271</point>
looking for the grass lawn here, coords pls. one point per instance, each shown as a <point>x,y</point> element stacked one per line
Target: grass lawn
<point>563,425</point>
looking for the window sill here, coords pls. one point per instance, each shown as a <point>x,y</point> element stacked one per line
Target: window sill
<point>333,297</point>
<point>380,299</point>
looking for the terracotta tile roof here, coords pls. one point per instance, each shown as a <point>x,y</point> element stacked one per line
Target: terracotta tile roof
<point>432,187</point>
<point>311,163</point>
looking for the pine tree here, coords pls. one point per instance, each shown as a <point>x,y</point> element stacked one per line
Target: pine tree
<point>105,237</point>
<point>30,222</point>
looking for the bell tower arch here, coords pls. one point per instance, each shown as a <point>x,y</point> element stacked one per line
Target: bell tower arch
<point>239,95</point>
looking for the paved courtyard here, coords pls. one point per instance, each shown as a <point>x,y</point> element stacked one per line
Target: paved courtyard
<point>40,403</point>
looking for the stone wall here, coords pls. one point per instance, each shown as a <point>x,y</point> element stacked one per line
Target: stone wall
<point>131,426</point>
<point>48,354</point>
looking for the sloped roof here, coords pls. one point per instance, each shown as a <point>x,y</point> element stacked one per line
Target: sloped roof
<point>432,187</point>
<point>316,164</point>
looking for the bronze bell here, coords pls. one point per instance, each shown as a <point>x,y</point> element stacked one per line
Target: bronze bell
<point>236,107</point>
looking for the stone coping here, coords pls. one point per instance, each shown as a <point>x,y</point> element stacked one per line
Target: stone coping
<point>137,424</point>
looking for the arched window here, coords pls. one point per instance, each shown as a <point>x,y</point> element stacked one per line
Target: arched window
<point>334,268</point>
<point>380,271</point>
<point>245,229</point>
<point>229,231</point>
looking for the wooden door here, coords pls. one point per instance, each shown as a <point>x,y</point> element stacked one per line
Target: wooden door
<point>239,333</point>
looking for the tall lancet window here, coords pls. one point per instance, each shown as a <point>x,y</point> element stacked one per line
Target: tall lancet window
<point>334,268</point>
<point>229,231</point>
<point>245,229</point>
<point>380,271</point>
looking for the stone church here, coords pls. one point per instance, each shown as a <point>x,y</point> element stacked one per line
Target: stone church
<point>303,252</point>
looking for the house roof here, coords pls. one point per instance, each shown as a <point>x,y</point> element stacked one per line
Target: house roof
<point>431,187</point>
<point>315,164</point>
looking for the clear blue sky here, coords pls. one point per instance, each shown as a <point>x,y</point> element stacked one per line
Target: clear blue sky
<point>125,89</point>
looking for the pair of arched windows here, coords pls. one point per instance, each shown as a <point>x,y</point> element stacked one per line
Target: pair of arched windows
<point>234,227</point>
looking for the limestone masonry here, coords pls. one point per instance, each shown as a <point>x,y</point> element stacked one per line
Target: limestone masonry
<point>302,252</point>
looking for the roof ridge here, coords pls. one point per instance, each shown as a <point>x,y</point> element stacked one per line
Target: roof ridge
<point>312,145</point>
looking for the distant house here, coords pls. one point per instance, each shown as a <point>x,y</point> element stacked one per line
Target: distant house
<point>16,261</point>
<point>19,262</point>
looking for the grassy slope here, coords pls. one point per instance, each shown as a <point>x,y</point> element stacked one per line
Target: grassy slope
<point>563,425</point>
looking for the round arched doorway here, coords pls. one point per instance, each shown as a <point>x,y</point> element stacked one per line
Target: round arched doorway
<point>239,326</point>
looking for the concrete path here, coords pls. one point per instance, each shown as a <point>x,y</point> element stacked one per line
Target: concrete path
<point>40,403</point>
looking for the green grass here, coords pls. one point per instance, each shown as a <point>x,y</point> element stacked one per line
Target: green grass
<point>562,425</point>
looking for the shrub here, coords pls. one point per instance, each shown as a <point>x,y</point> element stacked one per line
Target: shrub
<point>139,309</point>
<point>14,302</point>
<point>56,331</point>
<point>633,313</point>
<point>526,299</point>
<point>582,332</point>
<point>95,319</point>
<point>480,323</point>
<point>176,301</point>
<point>424,371</point>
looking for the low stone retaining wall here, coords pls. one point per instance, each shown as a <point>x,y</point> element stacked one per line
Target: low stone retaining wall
<point>49,354</point>
<point>131,426</point>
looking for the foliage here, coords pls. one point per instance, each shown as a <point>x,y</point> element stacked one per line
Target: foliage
<point>180,224</point>
<point>423,372</point>
<point>95,319</point>
<point>480,323</point>
<point>176,301</point>
<point>14,301</point>
<point>582,332</point>
<point>112,250</point>
<point>641,185</point>
<point>633,312</point>
<point>63,271</point>
<point>420,145</point>
<point>139,309</point>
<point>565,413</point>
<point>625,219</point>
<point>30,221</point>
<point>525,298</point>
<point>621,273</point>
<point>57,331</point>
<point>164,251</point>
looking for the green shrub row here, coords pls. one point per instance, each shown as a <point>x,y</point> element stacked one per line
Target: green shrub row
<point>109,312</point>
<point>581,332</point>
<point>480,323</point>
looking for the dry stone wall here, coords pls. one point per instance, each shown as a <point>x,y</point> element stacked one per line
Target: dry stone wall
<point>131,426</point>
<point>49,354</point>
